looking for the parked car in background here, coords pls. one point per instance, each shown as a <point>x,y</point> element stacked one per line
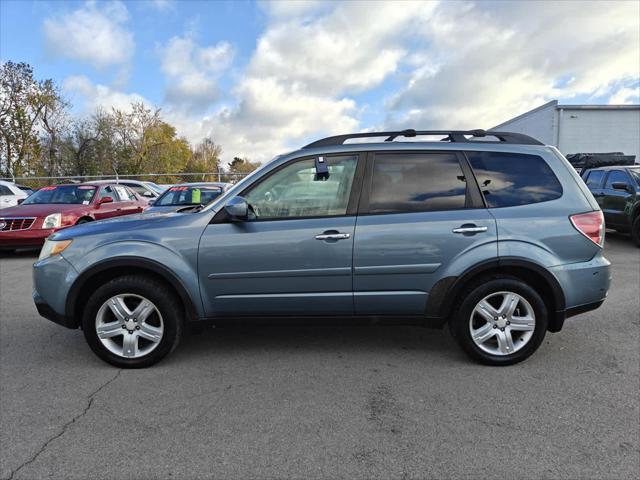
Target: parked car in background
<point>617,191</point>
<point>11,194</point>
<point>492,233</point>
<point>146,190</point>
<point>59,206</point>
<point>187,195</point>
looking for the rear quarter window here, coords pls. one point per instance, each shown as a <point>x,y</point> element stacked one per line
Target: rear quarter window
<point>511,179</point>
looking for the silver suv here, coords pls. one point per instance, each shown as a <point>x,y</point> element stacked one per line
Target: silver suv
<point>492,233</point>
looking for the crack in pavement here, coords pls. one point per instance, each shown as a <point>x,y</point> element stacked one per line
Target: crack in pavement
<point>65,427</point>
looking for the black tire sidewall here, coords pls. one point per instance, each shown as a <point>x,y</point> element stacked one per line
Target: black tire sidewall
<point>459,324</point>
<point>154,291</point>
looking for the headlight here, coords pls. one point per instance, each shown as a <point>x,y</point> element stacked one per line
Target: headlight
<point>52,221</point>
<point>53,247</point>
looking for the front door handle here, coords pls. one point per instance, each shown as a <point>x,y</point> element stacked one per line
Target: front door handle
<point>469,229</point>
<point>333,236</point>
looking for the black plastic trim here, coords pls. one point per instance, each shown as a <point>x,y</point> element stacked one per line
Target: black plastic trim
<point>458,136</point>
<point>447,289</point>
<point>132,263</point>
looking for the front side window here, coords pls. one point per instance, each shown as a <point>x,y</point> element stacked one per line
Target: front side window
<point>297,191</point>
<point>417,182</point>
<point>62,194</point>
<point>594,179</point>
<point>510,179</point>
<point>635,174</point>
<point>616,176</point>
<point>5,190</point>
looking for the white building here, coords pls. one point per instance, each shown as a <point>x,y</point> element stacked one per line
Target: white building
<point>581,128</point>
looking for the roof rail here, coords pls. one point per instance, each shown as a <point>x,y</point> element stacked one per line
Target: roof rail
<point>460,136</point>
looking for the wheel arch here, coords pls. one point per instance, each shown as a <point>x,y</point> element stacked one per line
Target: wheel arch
<point>445,293</point>
<point>104,271</point>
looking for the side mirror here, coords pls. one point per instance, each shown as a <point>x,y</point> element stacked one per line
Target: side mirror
<point>237,208</point>
<point>151,202</point>
<point>620,186</point>
<point>105,200</point>
<point>20,200</point>
<point>147,193</point>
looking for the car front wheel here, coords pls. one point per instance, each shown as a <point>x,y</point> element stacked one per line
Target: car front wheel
<point>132,321</point>
<point>500,321</point>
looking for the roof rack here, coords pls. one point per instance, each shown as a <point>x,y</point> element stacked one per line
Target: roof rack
<point>459,136</point>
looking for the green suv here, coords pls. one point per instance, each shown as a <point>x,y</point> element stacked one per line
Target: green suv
<point>617,190</point>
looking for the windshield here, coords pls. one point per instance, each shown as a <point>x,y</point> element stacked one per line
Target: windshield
<point>201,195</point>
<point>635,173</point>
<point>155,187</point>
<point>62,194</point>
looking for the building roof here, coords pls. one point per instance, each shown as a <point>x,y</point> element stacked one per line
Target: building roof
<point>557,106</point>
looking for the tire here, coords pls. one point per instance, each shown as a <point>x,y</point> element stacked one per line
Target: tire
<point>150,332</point>
<point>526,335</point>
<point>635,231</point>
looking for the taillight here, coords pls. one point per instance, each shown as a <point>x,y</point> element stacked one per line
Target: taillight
<point>591,225</point>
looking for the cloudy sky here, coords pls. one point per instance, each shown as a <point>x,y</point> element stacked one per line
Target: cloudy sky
<point>266,77</point>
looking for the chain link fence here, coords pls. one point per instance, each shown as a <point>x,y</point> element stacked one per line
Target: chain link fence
<point>158,178</point>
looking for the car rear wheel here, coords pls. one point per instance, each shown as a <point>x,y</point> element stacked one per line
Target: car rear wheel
<point>132,321</point>
<point>500,321</point>
<point>635,231</point>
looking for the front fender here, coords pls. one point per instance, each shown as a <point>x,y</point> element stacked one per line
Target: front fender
<point>179,270</point>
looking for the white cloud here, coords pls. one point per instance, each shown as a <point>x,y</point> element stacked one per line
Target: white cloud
<point>192,72</point>
<point>94,33</point>
<point>162,5</point>
<point>426,65</point>
<point>490,62</point>
<point>90,96</point>
<point>625,96</point>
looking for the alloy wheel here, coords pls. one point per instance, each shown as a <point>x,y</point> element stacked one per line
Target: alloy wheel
<point>129,325</point>
<point>502,323</point>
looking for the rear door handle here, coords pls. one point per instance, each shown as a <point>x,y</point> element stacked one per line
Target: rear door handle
<point>469,229</point>
<point>333,236</point>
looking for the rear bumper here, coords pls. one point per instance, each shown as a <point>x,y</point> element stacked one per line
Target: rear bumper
<point>24,238</point>
<point>585,286</point>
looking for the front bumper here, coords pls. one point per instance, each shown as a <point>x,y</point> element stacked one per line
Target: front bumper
<point>45,310</point>
<point>25,238</point>
<point>52,279</point>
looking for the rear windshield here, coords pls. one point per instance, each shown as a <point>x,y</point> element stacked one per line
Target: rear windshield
<point>62,194</point>
<point>188,196</point>
<point>509,179</point>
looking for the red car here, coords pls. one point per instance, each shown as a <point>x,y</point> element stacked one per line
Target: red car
<point>59,206</point>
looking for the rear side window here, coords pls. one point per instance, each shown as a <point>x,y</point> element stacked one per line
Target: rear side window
<point>510,179</point>
<point>616,176</point>
<point>417,182</point>
<point>594,178</point>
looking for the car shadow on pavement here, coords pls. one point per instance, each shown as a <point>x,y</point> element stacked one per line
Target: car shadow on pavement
<point>313,339</point>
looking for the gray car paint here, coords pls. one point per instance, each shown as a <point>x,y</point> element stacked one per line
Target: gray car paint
<point>277,267</point>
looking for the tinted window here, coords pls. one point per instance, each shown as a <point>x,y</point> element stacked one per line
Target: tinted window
<point>419,182</point>
<point>635,174</point>
<point>296,190</point>
<point>508,179</point>
<point>616,176</point>
<point>5,190</point>
<point>594,178</point>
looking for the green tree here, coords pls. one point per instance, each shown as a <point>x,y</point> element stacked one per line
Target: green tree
<point>24,101</point>
<point>242,165</point>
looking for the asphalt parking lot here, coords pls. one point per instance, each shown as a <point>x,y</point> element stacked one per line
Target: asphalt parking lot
<point>323,402</point>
